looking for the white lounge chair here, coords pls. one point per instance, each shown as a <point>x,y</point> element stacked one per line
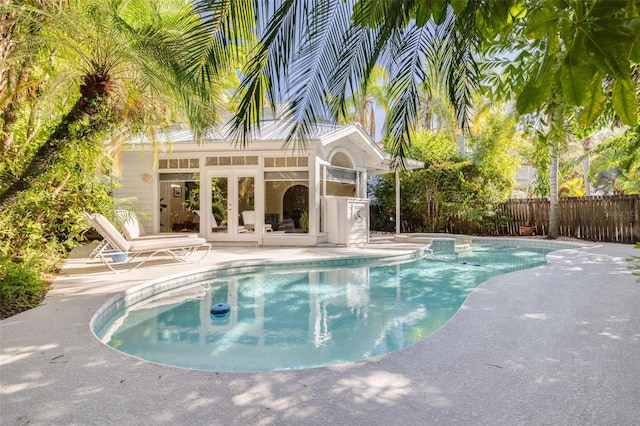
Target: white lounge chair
<point>133,230</point>
<point>179,248</point>
<point>249,220</point>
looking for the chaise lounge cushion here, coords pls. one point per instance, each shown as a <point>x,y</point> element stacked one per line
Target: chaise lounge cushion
<point>165,243</point>
<point>147,244</point>
<point>132,228</point>
<point>111,233</point>
<point>178,248</point>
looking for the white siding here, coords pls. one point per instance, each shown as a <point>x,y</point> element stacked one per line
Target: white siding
<point>138,180</point>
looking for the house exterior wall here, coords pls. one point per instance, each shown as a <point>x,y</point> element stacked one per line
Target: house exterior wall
<point>141,178</point>
<point>137,180</point>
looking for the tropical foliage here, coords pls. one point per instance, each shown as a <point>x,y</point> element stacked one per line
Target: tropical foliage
<point>78,77</point>
<point>577,54</point>
<point>469,187</point>
<point>616,166</point>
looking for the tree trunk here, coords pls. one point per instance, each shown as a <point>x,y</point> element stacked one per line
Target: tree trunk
<point>554,223</point>
<point>94,94</point>
<point>586,146</point>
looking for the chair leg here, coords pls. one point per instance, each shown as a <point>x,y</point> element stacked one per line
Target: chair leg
<point>96,251</point>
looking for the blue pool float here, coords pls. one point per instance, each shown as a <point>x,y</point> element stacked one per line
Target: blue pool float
<point>220,309</point>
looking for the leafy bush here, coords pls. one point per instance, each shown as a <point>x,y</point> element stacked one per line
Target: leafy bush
<point>21,285</point>
<point>45,222</point>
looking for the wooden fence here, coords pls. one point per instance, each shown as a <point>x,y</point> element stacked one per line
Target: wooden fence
<point>600,218</point>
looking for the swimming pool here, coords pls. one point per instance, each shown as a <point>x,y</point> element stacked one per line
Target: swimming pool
<point>302,316</point>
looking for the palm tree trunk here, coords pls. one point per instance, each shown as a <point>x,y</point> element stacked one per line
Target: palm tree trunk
<point>554,222</point>
<point>94,94</point>
<point>586,146</point>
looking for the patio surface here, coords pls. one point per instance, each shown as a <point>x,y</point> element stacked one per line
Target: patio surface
<point>554,345</point>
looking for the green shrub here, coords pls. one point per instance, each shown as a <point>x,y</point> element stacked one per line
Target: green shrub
<point>21,286</point>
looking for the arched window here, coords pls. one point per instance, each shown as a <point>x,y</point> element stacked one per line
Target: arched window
<point>341,159</point>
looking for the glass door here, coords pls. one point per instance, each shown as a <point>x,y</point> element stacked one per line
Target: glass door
<point>232,203</point>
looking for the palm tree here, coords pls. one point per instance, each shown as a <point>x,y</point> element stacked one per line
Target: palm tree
<point>131,63</point>
<point>361,107</point>
<point>316,54</point>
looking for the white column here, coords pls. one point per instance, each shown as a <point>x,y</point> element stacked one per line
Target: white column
<point>324,198</point>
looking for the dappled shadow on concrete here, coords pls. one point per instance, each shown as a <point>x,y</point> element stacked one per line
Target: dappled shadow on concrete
<point>558,344</point>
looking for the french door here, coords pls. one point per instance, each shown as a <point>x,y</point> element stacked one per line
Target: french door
<point>231,193</point>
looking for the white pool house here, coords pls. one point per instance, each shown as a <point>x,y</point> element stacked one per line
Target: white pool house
<point>265,194</point>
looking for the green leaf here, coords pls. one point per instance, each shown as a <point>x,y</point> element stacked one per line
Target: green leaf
<point>518,10</point>
<point>605,8</point>
<point>609,58</point>
<point>458,5</point>
<point>485,29</point>
<point>439,11</point>
<point>634,54</point>
<point>593,103</point>
<point>541,22</point>
<point>423,13</point>
<point>624,101</point>
<point>538,89</point>
<point>530,98</point>
<point>575,78</point>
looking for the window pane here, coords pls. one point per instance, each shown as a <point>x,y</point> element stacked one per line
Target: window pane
<point>219,203</point>
<point>179,176</point>
<point>212,161</point>
<point>224,161</point>
<point>341,175</point>
<point>294,175</point>
<point>287,202</point>
<point>179,196</point>
<point>246,199</point>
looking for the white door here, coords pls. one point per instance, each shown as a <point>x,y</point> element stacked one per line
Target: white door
<point>231,193</point>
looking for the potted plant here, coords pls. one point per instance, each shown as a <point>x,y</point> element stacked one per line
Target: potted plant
<point>529,228</point>
<point>304,220</point>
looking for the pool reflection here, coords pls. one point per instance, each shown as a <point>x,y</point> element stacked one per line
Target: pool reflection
<point>298,319</point>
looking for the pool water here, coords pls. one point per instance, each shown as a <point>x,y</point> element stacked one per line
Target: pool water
<point>293,318</point>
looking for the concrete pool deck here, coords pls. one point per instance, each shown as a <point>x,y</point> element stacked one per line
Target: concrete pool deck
<point>555,345</point>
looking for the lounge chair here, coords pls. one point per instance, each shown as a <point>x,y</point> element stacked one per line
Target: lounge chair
<point>179,248</point>
<point>249,220</point>
<point>133,230</point>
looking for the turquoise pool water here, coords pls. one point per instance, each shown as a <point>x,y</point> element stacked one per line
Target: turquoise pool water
<point>303,317</point>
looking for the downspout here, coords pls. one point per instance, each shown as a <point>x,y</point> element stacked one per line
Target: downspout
<point>397,201</point>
